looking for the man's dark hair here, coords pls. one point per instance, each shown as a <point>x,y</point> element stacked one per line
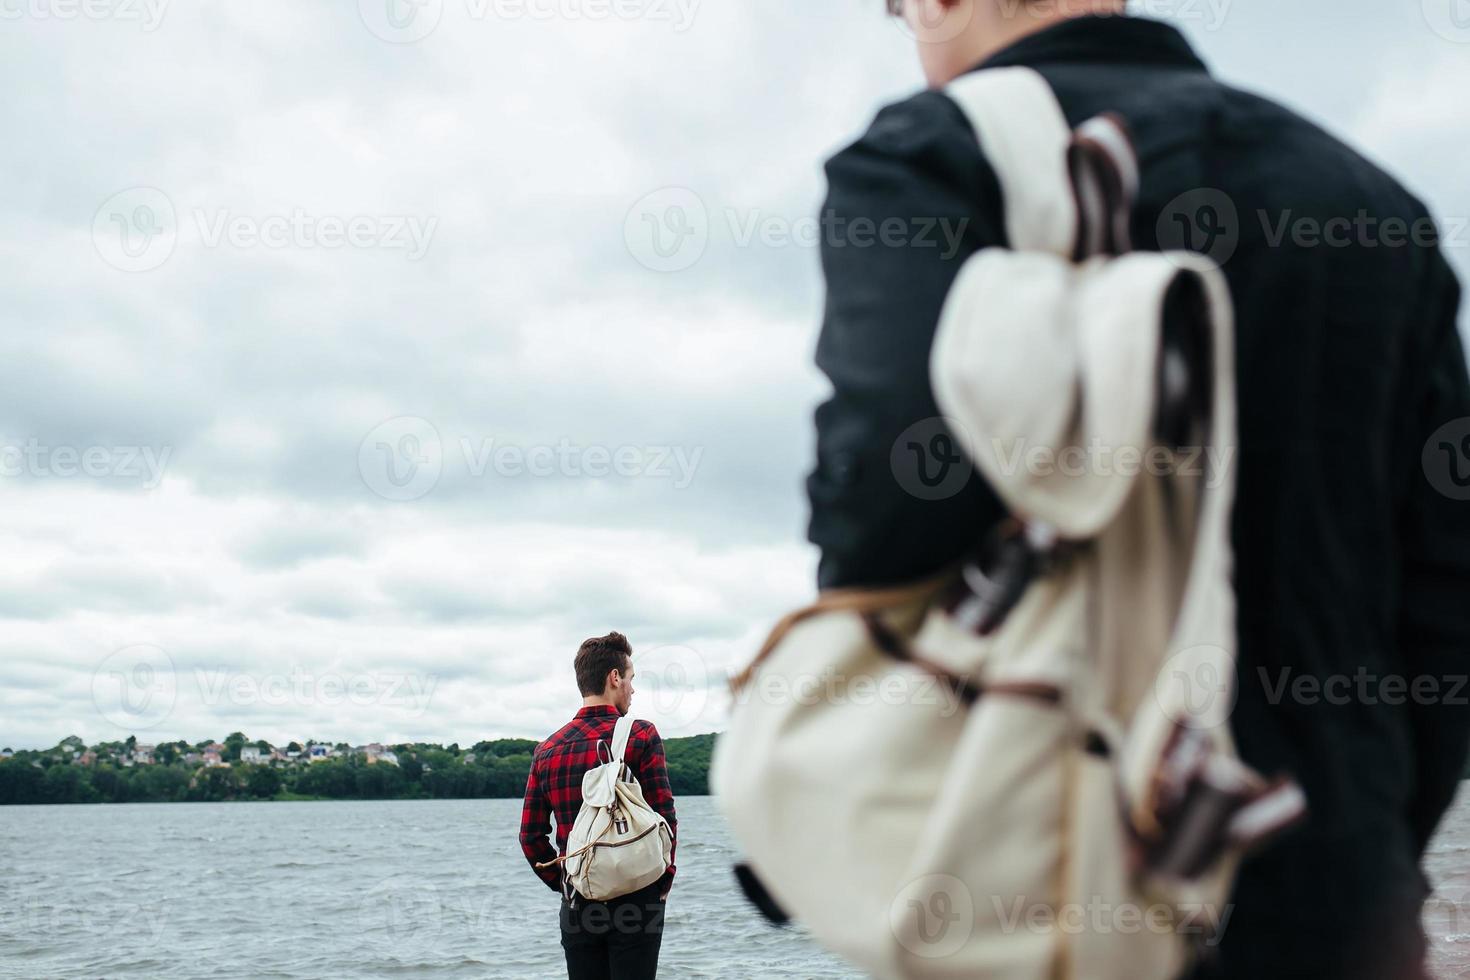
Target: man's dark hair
<point>597,656</point>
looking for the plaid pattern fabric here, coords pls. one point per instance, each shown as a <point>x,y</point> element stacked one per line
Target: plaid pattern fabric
<point>555,783</point>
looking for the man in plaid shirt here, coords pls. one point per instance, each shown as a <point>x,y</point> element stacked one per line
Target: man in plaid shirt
<point>618,939</point>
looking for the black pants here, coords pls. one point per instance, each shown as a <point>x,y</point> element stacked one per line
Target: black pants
<point>614,940</point>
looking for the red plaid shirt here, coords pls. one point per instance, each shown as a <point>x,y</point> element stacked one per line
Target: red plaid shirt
<point>555,783</point>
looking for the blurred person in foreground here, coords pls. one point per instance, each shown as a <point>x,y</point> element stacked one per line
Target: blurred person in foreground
<point>1352,527</point>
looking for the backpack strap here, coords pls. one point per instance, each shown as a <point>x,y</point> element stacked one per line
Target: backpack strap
<point>621,731</point>
<point>1024,137</point>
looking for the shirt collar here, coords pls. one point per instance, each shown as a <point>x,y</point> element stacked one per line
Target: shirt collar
<point>595,710</point>
<point>1111,38</point>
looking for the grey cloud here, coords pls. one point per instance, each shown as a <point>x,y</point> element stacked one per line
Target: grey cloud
<point>289,544</point>
<point>114,585</point>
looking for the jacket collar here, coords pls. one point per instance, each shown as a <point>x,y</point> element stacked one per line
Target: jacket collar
<point>1110,38</point>
<point>596,710</point>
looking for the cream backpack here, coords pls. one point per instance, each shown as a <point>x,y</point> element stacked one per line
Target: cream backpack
<point>1022,768</point>
<point>618,843</point>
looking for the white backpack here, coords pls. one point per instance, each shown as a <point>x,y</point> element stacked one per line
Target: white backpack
<point>1022,769</point>
<point>618,843</point>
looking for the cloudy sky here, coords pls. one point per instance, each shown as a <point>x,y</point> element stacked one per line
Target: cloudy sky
<point>363,358</point>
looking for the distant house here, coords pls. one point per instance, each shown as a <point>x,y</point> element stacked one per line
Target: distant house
<point>88,758</point>
<point>191,758</point>
<point>213,758</point>
<point>250,753</point>
<point>6,753</point>
<point>469,758</point>
<point>143,755</point>
<point>376,752</point>
<point>316,753</point>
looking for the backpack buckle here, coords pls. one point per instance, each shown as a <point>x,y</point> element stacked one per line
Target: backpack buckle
<point>992,583</point>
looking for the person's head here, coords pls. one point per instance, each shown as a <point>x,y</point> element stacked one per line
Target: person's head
<point>956,35</point>
<point>604,668</point>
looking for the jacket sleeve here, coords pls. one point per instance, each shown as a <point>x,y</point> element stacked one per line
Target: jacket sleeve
<point>907,204</point>
<point>536,830</point>
<point>1434,613</point>
<point>652,773</point>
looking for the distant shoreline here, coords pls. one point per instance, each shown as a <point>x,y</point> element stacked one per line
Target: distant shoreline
<point>301,799</point>
<point>239,770</point>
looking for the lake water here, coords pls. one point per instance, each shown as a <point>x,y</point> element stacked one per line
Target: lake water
<point>404,889</point>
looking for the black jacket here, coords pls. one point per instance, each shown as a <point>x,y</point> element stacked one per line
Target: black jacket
<point>1352,538</point>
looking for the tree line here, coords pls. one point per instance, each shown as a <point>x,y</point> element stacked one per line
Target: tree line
<point>488,770</point>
